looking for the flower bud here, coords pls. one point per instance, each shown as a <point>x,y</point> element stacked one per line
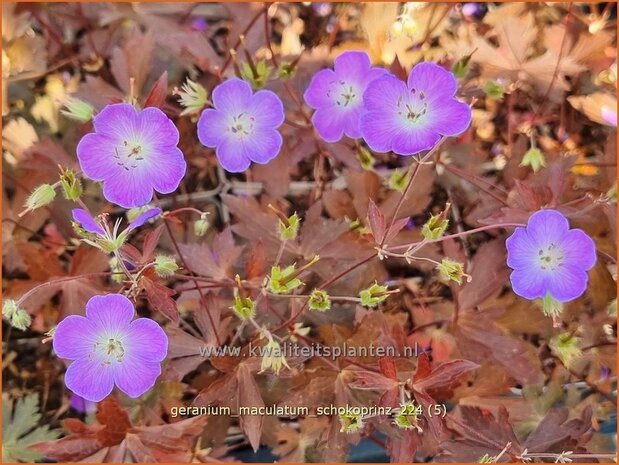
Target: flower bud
<point>461,67</point>
<point>21,319</point>
<point>165,266</point>
<point>494,90</point>
<point>551,307</point>
<point>41,196</point>
<point>71,185</point>
<point>282,281</point>
<point>533,158</point>
<point>192,96</point>
<point>396,29</point>
<point>452,270</point>
<point>351,422</point>
<point>319,300</point>
<point>408,416</point>
<point>566,347</point>
<point>366,159</point>
<point>77,110</point>
<point>273,358</point>
<point>9,308</point>
<point>244,307</point>
<point>397,180</point>
<point>373,295</point>
<point>201,226</point>
<point>289,229</point>
<point>410,27</point>
<point>436,226</point>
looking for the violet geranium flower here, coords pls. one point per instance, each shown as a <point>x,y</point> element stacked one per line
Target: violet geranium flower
<point>107,349</point>
<point>133,153</point>
<point>242,126</point>
<point>549,258</point>
<point>337,95</point>
<point>407,118</point>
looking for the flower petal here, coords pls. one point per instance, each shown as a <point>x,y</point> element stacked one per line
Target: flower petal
<point>267,108</point>
<point>567,283</point>
<point>433,80</point>
<point>211,127</point>
<point>317,93</point>
<point>154,126</point>
<point>110,312</point>
<point>117,120</point>
<point>449,117</point>
<point>528,283</point>
<point>167,170</point>
<point>414,140</point>
<point>146,339</point>
<point>95,153</point>
<point>86,221</point>
<point>329,123</point>
<point>134,375</point>
<point>579,249</point>
<point>90,379</point>
<point>74,337</point>
<point>231,156</point>
<point>263,146</point>
<point>352,65</point>
<point>521,250</point>
<point>547,226</point>
<point>129,189</point>
<point>232,96</point>
<point>144,217</point>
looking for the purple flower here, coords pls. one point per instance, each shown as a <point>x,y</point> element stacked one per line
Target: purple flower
<point>337,95</point>
<point>242,126</point>
<point>549,258</point>
<point>133,153</point>
<point>144,217</point>
<point>108,349</point>
<point>82,405</point>
<point>407,118</point>
<point>87,222</point>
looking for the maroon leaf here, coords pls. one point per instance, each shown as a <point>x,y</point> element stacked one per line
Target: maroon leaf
<point>376,221</point>
<point>158,296</point>
<point>157,95</point>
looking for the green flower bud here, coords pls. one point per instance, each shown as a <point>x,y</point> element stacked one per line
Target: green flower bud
<point>550,306</point>
<point>165,266</point>
<point>373,295</point>
<point>77,110</point>
<point>201,226</point>
<point>366,159</point>
<point>290,230</point>
<point>192,97</point>
<point>452,270</point>
<point>71,185</point>
<point>566,347</point>
<point>435,227</point>
<point>257,75</point>
<point>461,67</point>
<point>282,281</point>
<point>319,300</point>
<point>244,307</point>
<point>21,319</point>
<point>398,180</point>
<point>273,358</point>
<point>408,416</point>
<point>41,196</point>
<point>533,158</point>
<point>494,90</point>
<point>351,423</point>
<point>9,308</point>
<point>286,71</point>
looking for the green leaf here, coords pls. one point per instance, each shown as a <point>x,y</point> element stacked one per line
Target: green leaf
<point>22,429</point>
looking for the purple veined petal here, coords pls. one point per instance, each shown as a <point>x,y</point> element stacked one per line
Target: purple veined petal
<point>146,339</point>
<point>372,74</point>
<point>116,120</point>
<point>263,146</point>
<point>579,249</point>
<point>379,130</point>
<point>154,126</point>
<point>111,312</point>
<point>352,65</point>
<point>231,156</point>
<point>521,250</point>
<point>90,379</point>
<point>547,226</point>
<point>529,283</point>
<point>144,217</point>
<point>317,93</point>
<point>449,117</point>
<point>414,140</point>
<point>86,221</point>
<point>267,108</point>
<point>74,337</point>
<point>433,80</point>
<point>383,94</point>
<point>212,127</point>
<point>134,376</point>
<point>232,96</point>
<point>129,189</point>
<point>567,283</point>
<point>329,123</point>
<point>167,172</point>
<point>352,122</point>
<point>95,153</point>
<point>609,115</point>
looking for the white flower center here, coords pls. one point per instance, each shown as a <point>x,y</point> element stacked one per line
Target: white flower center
<point>550,258</point>
<point>242,125</point>
<point>343,93</point>
<point>109,350</point>
<point>129,155</point>
<point>413,108</point>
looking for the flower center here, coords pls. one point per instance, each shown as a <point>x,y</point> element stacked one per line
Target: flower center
<point>550,258</point>
<point>110,350</point>
<point>242,125</point>
<point>343,93</point>
<point>413,107</point>
<point>129,154</point>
